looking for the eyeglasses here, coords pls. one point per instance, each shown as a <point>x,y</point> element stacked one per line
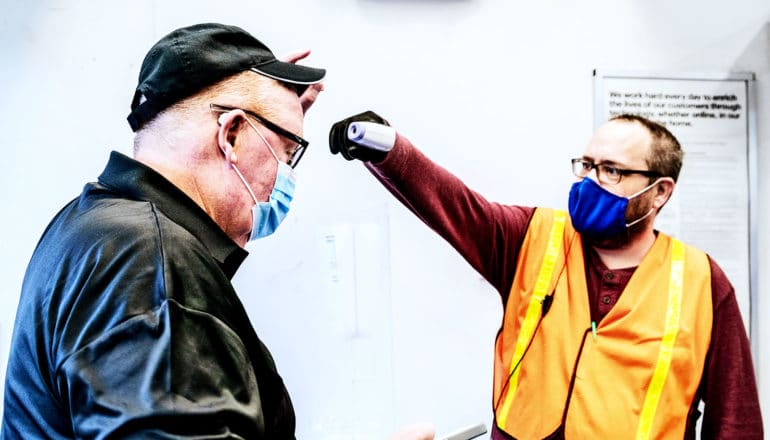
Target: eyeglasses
<point>301,144</point>
<point>605,173</point>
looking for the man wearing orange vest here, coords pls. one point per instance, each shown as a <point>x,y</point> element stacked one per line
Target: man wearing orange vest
<point>611,329</point>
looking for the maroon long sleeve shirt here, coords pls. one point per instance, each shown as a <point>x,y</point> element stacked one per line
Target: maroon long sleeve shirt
<point>489,235</point>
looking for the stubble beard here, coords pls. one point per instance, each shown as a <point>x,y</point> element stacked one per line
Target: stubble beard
<point>637,208</point>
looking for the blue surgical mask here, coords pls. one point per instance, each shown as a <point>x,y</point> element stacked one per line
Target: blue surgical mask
<point>598,213</point>
<point>266,216</point>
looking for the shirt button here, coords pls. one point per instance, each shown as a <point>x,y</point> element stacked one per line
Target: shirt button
<point>606,299</point>
<point>609,276</point>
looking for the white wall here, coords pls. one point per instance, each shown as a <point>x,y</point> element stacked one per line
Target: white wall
<point>373,321</point>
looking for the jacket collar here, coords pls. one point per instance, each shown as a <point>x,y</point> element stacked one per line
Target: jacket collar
<point>138,181</point>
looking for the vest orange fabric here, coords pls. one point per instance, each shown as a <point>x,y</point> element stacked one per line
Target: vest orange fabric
<point>637,378</point>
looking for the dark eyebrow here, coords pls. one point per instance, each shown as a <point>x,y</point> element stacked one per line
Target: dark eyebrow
<point>610,163</point>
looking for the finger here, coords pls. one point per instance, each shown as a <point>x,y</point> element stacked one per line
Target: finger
<point>309,96</point>
<point>296,56</point>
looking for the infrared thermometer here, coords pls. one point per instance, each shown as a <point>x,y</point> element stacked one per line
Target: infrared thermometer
<point>369,134</point>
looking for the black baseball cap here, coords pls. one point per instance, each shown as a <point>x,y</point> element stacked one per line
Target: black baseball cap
<point>189,59</point>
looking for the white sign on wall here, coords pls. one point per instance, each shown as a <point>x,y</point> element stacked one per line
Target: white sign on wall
<point>714,200</point>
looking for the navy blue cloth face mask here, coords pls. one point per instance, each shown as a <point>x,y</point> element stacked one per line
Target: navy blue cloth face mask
<point>596,212</point>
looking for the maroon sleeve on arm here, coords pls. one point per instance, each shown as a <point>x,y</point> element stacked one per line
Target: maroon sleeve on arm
<point>487,234</point>
<point>729,386</point>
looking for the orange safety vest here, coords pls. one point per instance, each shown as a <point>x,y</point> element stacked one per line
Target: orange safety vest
<point>635,375</point>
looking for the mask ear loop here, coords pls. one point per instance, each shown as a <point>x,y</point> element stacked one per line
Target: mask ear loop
<point>238,172</point>
<point>642,191</point>
<point>248,188</point>
<point>645,189</point>
<point>649,213</point>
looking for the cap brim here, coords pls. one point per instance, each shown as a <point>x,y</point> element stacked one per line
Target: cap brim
<point>291,73</point>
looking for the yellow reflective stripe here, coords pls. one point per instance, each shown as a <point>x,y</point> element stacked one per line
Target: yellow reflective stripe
<point>534,308</point>
<point>667,344</point>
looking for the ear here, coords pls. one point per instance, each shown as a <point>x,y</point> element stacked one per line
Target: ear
<point>229,124</point>
<point>663,192</point>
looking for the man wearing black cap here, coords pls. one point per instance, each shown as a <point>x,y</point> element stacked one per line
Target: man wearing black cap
<point>128,325</point>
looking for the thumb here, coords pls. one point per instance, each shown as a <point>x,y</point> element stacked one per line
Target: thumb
<point>416,431</point>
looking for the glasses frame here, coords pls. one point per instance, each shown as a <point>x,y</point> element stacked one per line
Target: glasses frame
<point>302,144</point>
<point>601,170</point>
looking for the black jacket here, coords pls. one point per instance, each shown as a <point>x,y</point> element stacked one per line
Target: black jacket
<point>128,325</point>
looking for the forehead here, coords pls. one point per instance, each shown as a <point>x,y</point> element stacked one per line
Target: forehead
<point>620,142</point>
<point>276,102</point>
<point>282,107</point>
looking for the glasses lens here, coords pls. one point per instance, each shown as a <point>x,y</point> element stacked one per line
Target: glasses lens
<point>296,155</point>
<point>580,167</point>
<point>608,175</point>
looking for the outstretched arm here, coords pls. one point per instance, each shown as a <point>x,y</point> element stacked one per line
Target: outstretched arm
<point>488,235</point>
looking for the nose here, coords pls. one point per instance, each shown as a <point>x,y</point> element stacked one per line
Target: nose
<point>593,174</point>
